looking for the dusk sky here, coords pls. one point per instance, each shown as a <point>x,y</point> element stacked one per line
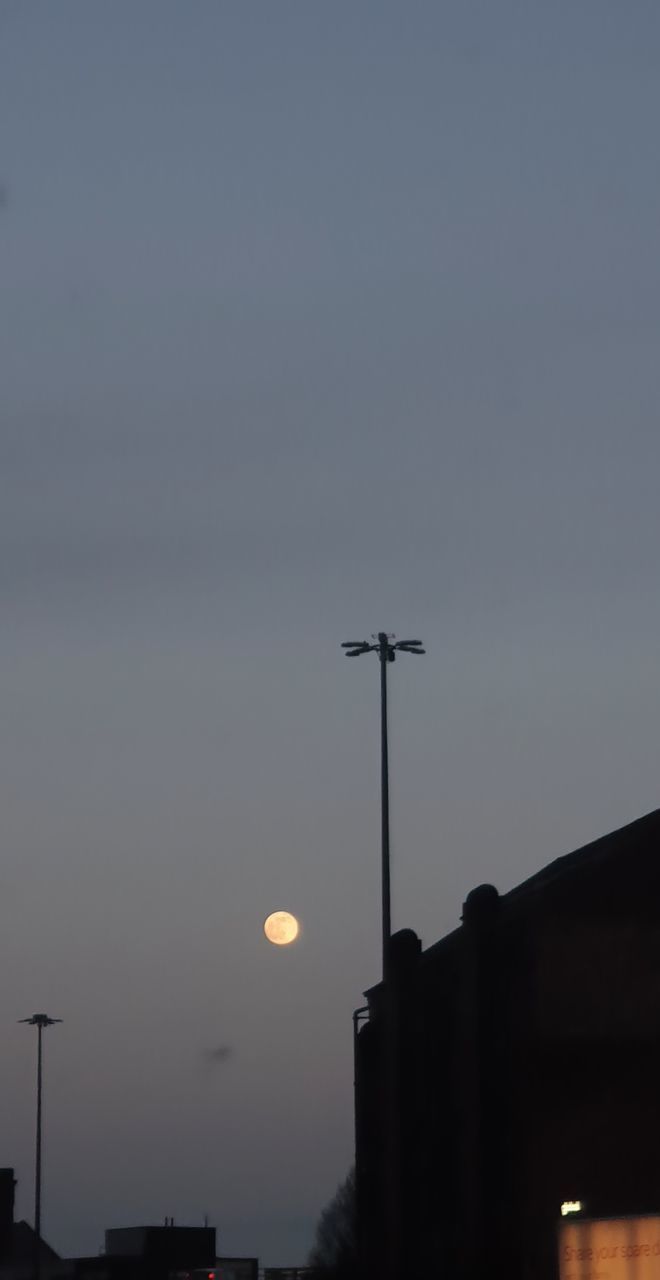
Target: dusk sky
<point>315,319</point>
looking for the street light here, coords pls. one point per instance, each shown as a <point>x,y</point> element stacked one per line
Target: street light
<point>38,1020</point>
<point>386,646</point>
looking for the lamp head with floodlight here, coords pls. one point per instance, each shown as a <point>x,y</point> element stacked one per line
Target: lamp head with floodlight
<point>354,648</point>
<point>40,1020</point>
<point>386,646</point>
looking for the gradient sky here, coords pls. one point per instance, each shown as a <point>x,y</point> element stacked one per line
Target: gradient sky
<point>315,319</point>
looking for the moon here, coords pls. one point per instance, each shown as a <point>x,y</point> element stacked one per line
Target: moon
<point>281,928</point>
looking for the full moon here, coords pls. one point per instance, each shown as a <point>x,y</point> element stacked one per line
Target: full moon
<point>281,928</point>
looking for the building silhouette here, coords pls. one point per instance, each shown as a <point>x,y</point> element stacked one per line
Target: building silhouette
<point>165,1252</point>
<point>513,1066</point>
<point>18,1242</point>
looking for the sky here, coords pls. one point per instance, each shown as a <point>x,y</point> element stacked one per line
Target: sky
<point>316,319</point>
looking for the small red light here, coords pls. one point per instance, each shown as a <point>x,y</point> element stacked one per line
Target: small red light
<point>211,1275</point>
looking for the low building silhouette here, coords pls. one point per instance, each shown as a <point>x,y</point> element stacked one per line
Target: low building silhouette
<point>165,1252</point>
<point>164,1249</point>
<point>18,1241</point>
<point>513,1066</point>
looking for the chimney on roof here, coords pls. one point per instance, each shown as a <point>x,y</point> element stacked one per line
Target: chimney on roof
<point>7,1185</point>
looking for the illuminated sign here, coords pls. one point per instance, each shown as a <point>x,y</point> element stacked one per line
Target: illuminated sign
<point>609,1249</point>
<point>571,1206</point>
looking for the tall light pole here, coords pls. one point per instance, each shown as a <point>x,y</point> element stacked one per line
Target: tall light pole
<point>38,1020</point>
<point>387,647</point>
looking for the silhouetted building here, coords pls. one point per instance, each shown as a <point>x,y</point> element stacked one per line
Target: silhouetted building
<point>152,1253</point>
<point>170,1247</point>
<point>163,1253</point>
<point>513,1066</point>
<point>18,1244</point>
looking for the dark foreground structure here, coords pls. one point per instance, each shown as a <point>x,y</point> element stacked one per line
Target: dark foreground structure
<point>514,1066</point>
<point>19,1242</point>
<point>131,1253</point>
<point>163,1253</point>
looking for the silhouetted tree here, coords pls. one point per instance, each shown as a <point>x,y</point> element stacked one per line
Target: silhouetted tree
<point>334,1252</point>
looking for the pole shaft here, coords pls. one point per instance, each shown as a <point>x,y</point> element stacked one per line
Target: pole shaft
<point>384,799</point>
<point>37,1166</point>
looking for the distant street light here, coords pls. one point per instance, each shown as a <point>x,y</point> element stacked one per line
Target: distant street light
<point>386,647</point>
<point>38,1020</point>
